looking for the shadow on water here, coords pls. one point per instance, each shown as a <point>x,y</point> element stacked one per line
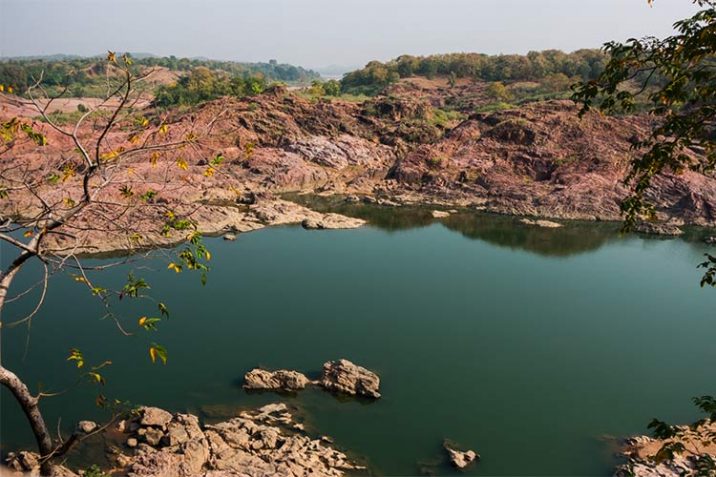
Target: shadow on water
<point>504,231</point>
<point>574,238</point>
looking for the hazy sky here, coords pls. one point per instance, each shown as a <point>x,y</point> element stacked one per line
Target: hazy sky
<point>323,32</point>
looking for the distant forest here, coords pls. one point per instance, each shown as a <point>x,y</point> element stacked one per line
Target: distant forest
<point>513,78</point>
<point>535,66</point>
<point>86,76</point>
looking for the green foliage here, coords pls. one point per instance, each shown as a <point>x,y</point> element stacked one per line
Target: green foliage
<point>10,129</point>
<point>148,196</point>
<point>133,287</point>
<point>202,84</point>
<point>494,107</point>
<point>676,77</point>
<point>325,88</point>
<point>87,76</point>
<point>444,118</point>
<point>435,162</point>
<point>535,66</point>
<point>158,352</point>
<point>676,436</point>
<point>498,92</point>
<point>95,471</point>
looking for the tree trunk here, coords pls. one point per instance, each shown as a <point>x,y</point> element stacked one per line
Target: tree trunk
<point>30,407</point>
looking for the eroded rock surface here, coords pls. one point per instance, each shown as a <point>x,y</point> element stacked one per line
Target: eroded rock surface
<point>280,380</point>
<point>699,454</point>
<point>345,377</point>
<point>547,224</point>
<point>654,228</point>
<point>264,442</point>
<point>536,160</point>
<point>459,458</point>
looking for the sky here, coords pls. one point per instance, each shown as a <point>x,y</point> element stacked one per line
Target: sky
<point>317,33</point>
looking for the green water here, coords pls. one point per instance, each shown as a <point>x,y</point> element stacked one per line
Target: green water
<point>530,346</point>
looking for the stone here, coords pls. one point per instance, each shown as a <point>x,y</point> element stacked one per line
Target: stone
<point>461,459</point>
<point>121,426</point>
<point>86,426</point>
<point>440,214</point>
<point>196,454</point>
<point>280,380</point>
<point>132,442</point>
<point>153,416</point>
<point>346,377</point>
<point>311,224</point>
<point>153,436</point>
<point>655,228</point>
<point>230,236</point>
<point>640,453</point>
<point>542,223</point>
<point>183,428</point>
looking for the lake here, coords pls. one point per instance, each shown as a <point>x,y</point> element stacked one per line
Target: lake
<point>534,347</point>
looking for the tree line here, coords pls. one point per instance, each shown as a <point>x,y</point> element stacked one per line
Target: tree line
<point>87,76</point>
<point>535,66</point>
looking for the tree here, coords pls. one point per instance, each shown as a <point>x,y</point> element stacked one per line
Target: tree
<point>79,194</point>
<point>674,79</point>
<point>332,87</point>
<point>498,91</point>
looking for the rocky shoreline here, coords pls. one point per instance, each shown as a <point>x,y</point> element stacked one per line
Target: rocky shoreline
<point>648,457</point>
<point>535,161</point>
<point>263,442</point>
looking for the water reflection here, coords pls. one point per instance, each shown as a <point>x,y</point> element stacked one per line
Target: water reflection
<point>504,231</point>
<point>575,237</point>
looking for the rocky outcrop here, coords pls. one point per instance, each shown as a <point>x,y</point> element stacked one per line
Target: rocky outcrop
<point>458,458</point>
<point>280,380</point>
<point>256,443</point>
<point>645,457</point>
<point>340,376</point>
<point>440,214</point>
<point>547,224</point>
<point>26,463</point>
<point>346,377</point>
<point>538,160</point>
<point>656,228</point>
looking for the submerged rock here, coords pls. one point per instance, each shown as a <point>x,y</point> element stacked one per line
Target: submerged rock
<point>346,377</point>
<point>654,228</point>
<point>280,380</point>
<point>541,223</point>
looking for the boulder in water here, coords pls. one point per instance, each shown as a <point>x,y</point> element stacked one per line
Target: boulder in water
<point>280,380</point>
<point>346,377</point>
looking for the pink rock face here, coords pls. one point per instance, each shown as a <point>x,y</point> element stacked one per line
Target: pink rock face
<point>542,160</point>
<point>537,160</point>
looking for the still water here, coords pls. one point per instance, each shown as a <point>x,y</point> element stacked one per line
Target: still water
<point>532,346</point>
